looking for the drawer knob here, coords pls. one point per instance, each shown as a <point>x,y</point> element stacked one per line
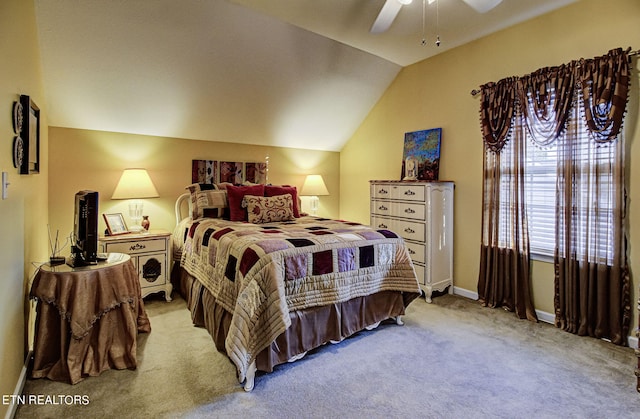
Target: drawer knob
<point>409,211</point>
<point>411,252</point>
<point>409,230</point>
<point>383,191</point>
<point>409,192</point>
<point>382,208</point>
<point>382,226</point>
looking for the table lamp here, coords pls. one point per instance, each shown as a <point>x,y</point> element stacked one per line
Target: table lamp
<point>312,187</point>
<point>135,184</point>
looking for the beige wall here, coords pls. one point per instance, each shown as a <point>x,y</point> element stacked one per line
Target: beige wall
<point>436,93</point>
<point>82,159</point>
<point>23,215</point>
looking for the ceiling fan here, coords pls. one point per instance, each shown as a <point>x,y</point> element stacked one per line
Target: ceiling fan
<point>391,8</point>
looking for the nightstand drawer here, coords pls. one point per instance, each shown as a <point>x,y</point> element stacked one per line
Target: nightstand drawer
<point>137,246</point>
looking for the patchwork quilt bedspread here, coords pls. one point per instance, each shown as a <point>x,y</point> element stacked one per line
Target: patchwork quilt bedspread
<point>261,272</point>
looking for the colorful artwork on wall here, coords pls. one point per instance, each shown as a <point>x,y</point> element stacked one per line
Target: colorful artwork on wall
<point>231,172</point>
<point>212,171</point>
<point>255,172</point>
<point>204,171</point>
<point>422,152</point>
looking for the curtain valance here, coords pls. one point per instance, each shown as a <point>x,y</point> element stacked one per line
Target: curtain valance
<point>497,112</point>
<point>544,98</point>
<point>605,92</point>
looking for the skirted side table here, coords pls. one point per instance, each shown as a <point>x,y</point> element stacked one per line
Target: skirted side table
<point>88,319</point>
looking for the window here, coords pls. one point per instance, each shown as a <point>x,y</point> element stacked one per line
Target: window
<point>541,175</point>
<point>541,166</point>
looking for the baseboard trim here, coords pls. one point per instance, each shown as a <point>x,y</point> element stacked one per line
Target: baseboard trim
<point>543,316</point>
<point>465,293</point>
<point>546,317</point>
<point>22,379</point>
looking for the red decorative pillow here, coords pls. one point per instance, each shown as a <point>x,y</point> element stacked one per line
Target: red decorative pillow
<point>271,190</point>
<point>235,194</point>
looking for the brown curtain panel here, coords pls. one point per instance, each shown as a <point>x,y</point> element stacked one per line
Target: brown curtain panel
<point>578,108</point>
<point>504,260</point>
<point>592,277</point>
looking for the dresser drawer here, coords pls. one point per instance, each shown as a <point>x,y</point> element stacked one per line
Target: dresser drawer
<point>398,192</point>
<point>406,229</point>
<point>420,273</point>
<point>412,210</point>
<point>136,246</point>
<point>416,251</point>
<point>410,230</point>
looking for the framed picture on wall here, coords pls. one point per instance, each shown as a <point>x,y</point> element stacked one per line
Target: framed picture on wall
<point>231,172</point>
<point>421,157</point>
<point>255,172</point>
<point>204,171</point>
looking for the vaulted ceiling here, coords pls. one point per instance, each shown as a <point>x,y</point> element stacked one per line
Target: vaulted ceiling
<point>288,73</point>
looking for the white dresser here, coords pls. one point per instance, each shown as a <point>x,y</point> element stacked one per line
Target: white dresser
<point>422,213</point>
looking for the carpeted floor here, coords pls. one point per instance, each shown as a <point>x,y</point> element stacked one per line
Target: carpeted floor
<point>452,359</point>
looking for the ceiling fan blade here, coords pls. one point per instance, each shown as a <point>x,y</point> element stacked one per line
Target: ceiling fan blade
<point>386,16</point>
<point>483,6</point>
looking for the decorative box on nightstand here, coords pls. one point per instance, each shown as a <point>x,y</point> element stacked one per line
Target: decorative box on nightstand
<point>150,253</point>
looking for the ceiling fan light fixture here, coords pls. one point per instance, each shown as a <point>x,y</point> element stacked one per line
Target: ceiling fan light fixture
<point>405,2</point>
<point>483,6</point>
<point>387,15</point>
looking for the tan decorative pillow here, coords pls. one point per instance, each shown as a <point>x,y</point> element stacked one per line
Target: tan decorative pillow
<point>208,203</point>
<point>268,209</point>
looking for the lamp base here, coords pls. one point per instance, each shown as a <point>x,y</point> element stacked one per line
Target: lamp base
<point>314,202</point>
<point>135,213</point>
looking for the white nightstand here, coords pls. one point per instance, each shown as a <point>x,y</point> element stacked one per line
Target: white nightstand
<point>151,255</point>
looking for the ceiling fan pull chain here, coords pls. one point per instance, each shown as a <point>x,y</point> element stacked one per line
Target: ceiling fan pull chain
<point>424,8</point>
<point>437,23</point>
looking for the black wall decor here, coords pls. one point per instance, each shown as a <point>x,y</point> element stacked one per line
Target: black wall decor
<point>30,135</point>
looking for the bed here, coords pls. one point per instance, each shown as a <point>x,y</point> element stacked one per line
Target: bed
<point>271,288</point>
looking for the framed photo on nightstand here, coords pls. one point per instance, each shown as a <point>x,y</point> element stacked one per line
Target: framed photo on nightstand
<point>115,224</point>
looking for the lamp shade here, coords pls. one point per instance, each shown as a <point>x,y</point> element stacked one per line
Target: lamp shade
<point>314,186</point>
<point>135,184</point>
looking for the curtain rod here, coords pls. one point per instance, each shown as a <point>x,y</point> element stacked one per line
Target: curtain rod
<point>631,54</point>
